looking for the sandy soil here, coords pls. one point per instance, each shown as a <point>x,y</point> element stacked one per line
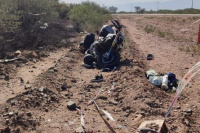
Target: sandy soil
<point>60,78</point>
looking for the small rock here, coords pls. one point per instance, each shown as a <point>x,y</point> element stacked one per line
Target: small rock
<point>103,97</point>
<point>55,70</point>
<point>10,113</point>
<point>67,94</point>
<point>120,98</point>
<point>27,87</point>
<point>7,77</point>
<point>17,53</point>
<point>189,111</point>
<point>126,108</point>
<point>73,81</point>
<point>142,113</point>
<point>21,80</point>
<point>5,115</point>
<point>46,109</point>
<point>64,86</point>
<point>71,105</point>
<point>42,89</point>
<point>117,110</point>
<point>29,114</point>
<point>187,122</point>
<point>12,103</point>
<point>34,60</point>
<point>119,126</point>
<point>113,102</point>
<point>7,121</point>
<point>127,114</point>
<point>87,89</point>
<point>80,130</point>
<point>6,109</point>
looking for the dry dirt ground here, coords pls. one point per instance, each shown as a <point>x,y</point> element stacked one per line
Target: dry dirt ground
<point>34,95</point>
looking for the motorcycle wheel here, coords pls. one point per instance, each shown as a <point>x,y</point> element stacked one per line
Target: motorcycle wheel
<point>88,59</point>
<point>113,63</point>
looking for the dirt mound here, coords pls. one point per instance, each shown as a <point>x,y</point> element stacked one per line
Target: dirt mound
<point>18,111</point>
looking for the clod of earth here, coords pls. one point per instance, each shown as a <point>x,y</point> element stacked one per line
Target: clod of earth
<point>64,86</point>
<point>71,105</point>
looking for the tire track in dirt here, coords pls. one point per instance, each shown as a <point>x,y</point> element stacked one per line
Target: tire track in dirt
<point>28,73</point>
<point>167,55</point>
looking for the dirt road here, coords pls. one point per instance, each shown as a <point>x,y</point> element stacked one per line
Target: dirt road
<point>172,41</point>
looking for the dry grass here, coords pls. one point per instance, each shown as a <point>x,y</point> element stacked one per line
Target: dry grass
<point>149,28</point>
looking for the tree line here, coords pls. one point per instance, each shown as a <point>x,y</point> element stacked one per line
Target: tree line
<point>140,10</point>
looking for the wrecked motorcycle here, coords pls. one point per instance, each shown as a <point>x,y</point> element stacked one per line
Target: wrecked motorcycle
<point>105,53</point>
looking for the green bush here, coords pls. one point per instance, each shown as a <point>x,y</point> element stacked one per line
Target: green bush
<point>29,13</point>
<point>161,34</point>
<point>9,19</point>
<point>36,12</point>
<point>149,28</point>
<point>63,10</point>
<point>89,16</point>
<point>22,19</point>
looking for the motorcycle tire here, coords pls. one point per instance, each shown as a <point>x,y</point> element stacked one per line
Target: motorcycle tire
<point>88,59</point>
<point>113,63</point>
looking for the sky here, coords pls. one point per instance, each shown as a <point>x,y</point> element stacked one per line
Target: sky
<point>128,5</point>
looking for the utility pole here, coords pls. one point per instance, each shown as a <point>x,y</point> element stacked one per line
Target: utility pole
<point>131,7</point>
<point>157,6</point>
<point>192,3</point>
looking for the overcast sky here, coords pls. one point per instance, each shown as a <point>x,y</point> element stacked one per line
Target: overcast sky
<point>128,5</point>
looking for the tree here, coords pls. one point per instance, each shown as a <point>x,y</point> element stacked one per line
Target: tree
<point>140,10</point>
<point>113,9</point>
<point>137,8</point>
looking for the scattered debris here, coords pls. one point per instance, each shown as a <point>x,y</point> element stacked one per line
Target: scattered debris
<point>9,60</point>
<point>105,112</point>
<point>166,82</point>
<point>97,78</point>
<point>150,57</point>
